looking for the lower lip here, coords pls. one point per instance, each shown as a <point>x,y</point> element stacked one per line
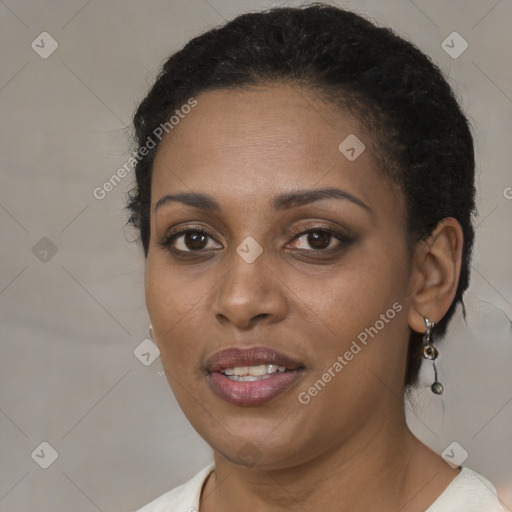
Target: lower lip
<point>247,394</point>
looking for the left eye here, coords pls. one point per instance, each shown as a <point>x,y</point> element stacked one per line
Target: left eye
<point>317,239</point>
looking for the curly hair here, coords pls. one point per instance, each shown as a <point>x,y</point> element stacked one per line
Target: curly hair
<point>419,132</point>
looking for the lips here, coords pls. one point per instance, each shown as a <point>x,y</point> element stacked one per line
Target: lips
<point>246,393</point>
<point>254,356</point>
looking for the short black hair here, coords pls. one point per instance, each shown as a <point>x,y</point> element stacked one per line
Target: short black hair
<point>420,134</point>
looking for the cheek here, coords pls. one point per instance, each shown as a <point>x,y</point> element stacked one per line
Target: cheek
<point>358,314</point>
<point>172,303</point>
<point>357,293</point>
<point>171,292</point>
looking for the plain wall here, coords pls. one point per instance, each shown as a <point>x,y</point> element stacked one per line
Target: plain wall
<point>70,321</point>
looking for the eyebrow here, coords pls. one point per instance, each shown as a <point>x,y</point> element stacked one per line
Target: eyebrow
<point>281,202</point>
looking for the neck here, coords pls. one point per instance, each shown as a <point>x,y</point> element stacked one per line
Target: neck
<point>380,467</point>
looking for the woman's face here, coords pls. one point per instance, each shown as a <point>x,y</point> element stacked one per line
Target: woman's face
<point>316,284</point>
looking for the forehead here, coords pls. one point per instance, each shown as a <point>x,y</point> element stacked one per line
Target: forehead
<point>248,145</point>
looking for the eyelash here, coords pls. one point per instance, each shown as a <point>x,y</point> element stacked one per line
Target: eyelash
<point>296,232</point>
<point>167,240</point>
<point>300,230</point>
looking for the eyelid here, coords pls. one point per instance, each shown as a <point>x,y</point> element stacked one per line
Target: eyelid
<point>184,228</point>
<point>312,225</point>
<point>299,231</point>
<point>170,237</point>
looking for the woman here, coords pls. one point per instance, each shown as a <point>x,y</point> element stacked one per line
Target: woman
<point>305,187</point>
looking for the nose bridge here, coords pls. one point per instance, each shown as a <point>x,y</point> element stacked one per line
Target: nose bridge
<point>249,288</point>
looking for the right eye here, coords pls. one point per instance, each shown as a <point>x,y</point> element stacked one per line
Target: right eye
<point>187,240</point>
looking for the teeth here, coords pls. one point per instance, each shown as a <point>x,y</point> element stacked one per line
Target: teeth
<point>257,371</point>
<point>249,378</point>
<point>252,373</point>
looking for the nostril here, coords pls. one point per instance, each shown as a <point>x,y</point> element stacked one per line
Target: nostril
<point>261,315</point>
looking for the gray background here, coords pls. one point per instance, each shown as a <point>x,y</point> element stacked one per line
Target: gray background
<point>71,320</point>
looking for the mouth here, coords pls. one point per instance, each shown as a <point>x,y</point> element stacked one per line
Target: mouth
<point>253,373</point>
<point>253,376</point>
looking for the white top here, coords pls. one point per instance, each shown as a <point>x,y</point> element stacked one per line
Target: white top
<point>468,492</point>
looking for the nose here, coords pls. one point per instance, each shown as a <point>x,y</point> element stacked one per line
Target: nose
<point>250,293</point>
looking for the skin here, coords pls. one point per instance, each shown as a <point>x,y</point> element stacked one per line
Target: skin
<point>349,448</point>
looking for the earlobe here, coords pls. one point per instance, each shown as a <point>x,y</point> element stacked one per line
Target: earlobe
<point>435,273</point>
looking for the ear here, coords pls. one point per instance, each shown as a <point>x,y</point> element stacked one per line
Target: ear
<point>435,273</point>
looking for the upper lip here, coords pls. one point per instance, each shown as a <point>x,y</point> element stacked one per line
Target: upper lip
<point>252,356</point>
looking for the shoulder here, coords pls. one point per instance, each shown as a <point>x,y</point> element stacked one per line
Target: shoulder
<point>468,492</point>
<point>184,498</point>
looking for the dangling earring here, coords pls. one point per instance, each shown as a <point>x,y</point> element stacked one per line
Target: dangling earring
<point>150,331</point>
<point>430,352</point>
